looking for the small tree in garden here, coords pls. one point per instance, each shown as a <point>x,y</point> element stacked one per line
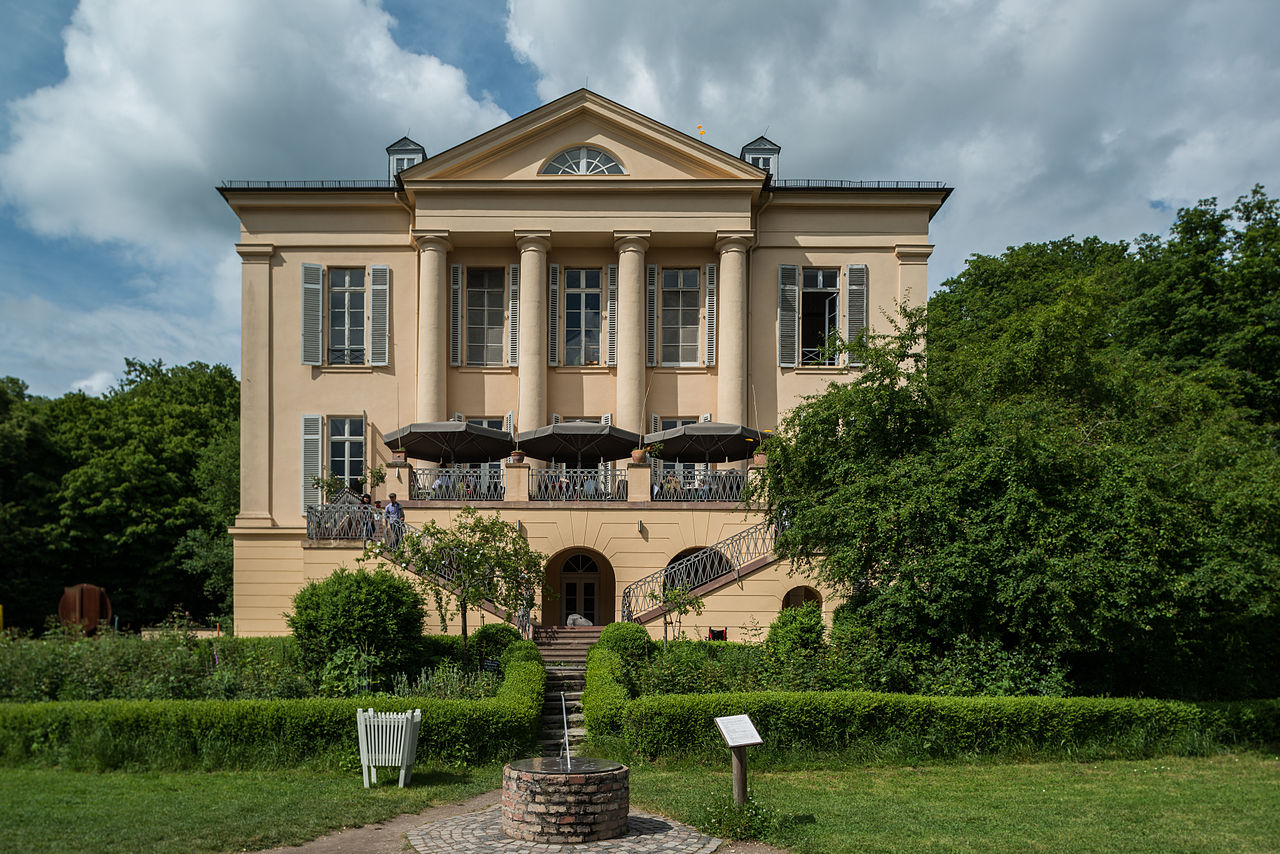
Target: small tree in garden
<point>679,601</point>
<point>480,557</point>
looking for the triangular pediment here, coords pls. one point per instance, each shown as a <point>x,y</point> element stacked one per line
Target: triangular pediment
<point>646,149</point>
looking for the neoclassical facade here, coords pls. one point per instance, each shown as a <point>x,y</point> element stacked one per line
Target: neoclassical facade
<point>580,262</point>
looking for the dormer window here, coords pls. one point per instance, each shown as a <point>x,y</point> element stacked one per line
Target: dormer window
<point>402,154</point>
<point>762,153</point>
<point>582,160</point>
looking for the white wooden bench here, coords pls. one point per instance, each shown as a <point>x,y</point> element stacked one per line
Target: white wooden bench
<point>387,740</point>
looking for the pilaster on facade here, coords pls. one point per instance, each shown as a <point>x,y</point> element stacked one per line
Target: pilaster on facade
<point>433,323</point>
<point>255,384</point>
<point>732,325</point>
<point>531,407</point>
<point>913,270</point>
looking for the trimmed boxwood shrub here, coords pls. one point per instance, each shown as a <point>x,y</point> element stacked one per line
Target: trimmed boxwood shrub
<point>921,726</point>
<point>214,734</point>
<point>378,612</point>
<point>490,640</point>
<point>632,643</point>
<point>521,650</point>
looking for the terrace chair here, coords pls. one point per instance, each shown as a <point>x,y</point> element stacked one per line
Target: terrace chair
<point>387,739</point>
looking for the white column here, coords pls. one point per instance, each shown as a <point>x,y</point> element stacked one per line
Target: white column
<point>433,324</point>
<point>731,334</point>
<point>629,404</point>
<point>531,411</point>
<point>255,384</point>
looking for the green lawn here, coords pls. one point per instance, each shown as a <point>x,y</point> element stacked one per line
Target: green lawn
<point>1222,803</point>
<point>44,810</point>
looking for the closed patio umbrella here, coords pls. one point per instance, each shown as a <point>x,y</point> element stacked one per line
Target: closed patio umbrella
<point>450,441</point>
<point>705,442</point>
<point>578,440</point>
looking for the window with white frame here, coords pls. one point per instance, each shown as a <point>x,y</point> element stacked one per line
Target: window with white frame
<point>582,160</point>
<point>346,450</point>
<point>582,315</point>
<point>346,316</point>
<point>485,316</point>
<point>819,314</point>
<point>669,467</point>
<point>680,316</point>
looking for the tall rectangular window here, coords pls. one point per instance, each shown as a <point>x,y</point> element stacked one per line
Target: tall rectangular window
<point>581,317</point>
<point>346,450</point>
<point>346,316</point>
<point>680,317</point>
<point>670,466</point>
<point>819,314</point>
<point>485,316</point>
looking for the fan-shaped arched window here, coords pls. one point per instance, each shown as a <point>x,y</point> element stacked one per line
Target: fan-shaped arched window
<point>582,160</point>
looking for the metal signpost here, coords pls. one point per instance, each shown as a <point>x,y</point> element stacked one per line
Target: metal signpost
<point>739,733</point>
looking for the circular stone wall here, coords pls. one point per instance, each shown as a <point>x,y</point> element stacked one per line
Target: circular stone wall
<point>553,801</point>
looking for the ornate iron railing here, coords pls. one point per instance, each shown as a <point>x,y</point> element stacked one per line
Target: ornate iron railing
<point>594,484</point>
<point>458,483</point>
<point>716,561</point>
<point>683,484</point>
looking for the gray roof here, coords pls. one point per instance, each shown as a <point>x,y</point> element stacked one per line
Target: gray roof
<point>406,144</point>
<point>761,144</point>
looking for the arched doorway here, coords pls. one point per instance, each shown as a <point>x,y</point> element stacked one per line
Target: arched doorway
<point>799,596</point>
<point>579,581</point>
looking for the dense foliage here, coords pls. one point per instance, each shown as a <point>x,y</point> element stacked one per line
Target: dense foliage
<point>356,629</point>
<point>1083,484</point>
<point>211,735</point>
<point>131,491</point>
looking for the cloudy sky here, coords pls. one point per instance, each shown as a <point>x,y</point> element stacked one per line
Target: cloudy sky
<point>122,116</point>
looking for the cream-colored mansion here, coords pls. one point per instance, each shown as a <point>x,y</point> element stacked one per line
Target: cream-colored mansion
<point>580,262</point>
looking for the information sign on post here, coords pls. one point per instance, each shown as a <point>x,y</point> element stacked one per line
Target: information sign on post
<point>739,733</point>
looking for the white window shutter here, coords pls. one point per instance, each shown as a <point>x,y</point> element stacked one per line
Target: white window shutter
<point>655,422</point>
<point>312,315</point>
<point>651,316</point>
<point>857,301</point>
<point>455,314</point>
<point>711,315</point>
<point>611,339</point>
<point>379,313</point>
<point>509,421</point>
<point>607,418</point>
<point>788,315</point>
<point>312,442</point>
<point>555,418</point>
<point>513,316</point>
<point>704,417</point>
<point>458,416</point>
<point>553,317</point>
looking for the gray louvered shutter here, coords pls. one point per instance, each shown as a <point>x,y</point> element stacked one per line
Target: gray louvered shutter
<point>704,418</point>
<point>379,313</point>
<point>788,315</point>
<point>455,314</point>
<point>611,334</point>
<point>312,443</point>
<point>857,301</point>
<point>555,418</point>
<point>651,316</point>
<point>509,421</point>
<point>606,419</point>
<point>312,315</point>
<point>513,316</point>
<point>553,316</point>
<point>712,305</point>
<point>458,416</point>
<point>655,422</point>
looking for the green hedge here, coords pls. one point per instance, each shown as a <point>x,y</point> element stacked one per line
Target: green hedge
<point>213,734</point>
<point>910,725</point>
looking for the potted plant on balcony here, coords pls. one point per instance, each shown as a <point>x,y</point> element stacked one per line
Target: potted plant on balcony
<point>640,456</point>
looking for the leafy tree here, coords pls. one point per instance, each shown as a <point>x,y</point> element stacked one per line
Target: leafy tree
<point>1056,487</point>
<point>480,558</point>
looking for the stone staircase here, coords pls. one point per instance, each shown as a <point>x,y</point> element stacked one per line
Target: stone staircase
<point>570,680</point>
<point>565,645</point>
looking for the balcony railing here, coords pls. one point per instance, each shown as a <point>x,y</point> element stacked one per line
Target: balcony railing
<point>595,484</point>
<point>458,483</point>
<point>698,485</point>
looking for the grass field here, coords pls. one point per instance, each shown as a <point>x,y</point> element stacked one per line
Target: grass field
<point>44,810</point>
<point>1221,803</point>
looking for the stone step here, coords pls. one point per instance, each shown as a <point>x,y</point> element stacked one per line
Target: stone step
<point>550,722</point>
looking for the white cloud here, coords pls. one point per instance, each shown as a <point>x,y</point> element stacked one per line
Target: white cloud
<point>164,100</point>
<point>1049,118</point>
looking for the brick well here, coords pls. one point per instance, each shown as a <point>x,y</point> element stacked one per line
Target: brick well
<point>545,800</point>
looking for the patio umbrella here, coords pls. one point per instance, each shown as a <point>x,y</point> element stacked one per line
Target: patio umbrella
<point>451,441</point>
<point>706,441</point>
<point>580,440</point>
